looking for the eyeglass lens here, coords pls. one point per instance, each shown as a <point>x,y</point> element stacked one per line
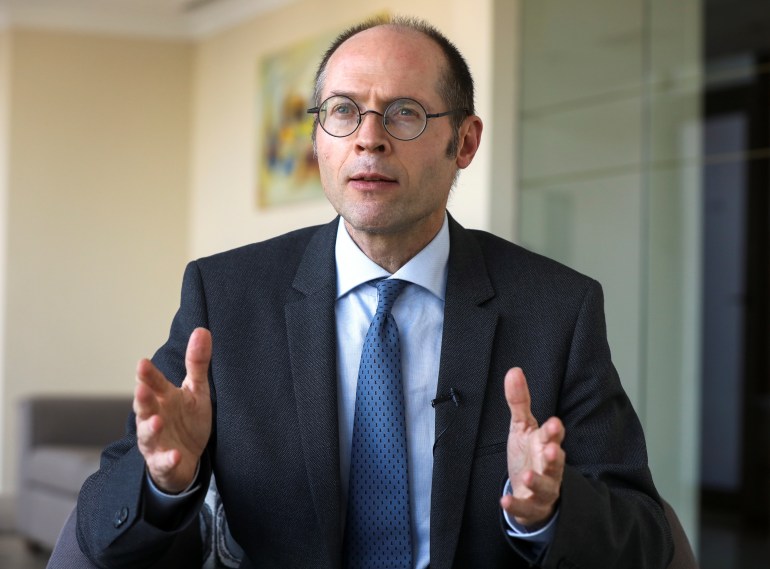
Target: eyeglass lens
<point>404,119</point>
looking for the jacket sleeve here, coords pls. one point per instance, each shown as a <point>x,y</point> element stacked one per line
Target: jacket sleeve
<point>610,514</point>
<point>112,530</point>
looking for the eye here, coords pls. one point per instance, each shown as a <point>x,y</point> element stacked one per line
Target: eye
<point>343,110</point>
<point>406,110</point>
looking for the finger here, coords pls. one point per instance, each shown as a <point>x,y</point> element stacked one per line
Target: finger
<point>151,385</point>
<point>148,433</point>
<point>145,401</point>
<point>530,511</point>
<point>517,396</point>
<point>510,505</point>
<point>524,511</point>
<point>544,489</point>
<point>514,506</point>
<point>554,461</point>
<point>197,359</point>
<point>551,431</point>
<point>151,376</point>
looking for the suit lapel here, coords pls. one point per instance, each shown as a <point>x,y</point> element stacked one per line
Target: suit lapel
<point>310,322</point>
<point>465,358</point>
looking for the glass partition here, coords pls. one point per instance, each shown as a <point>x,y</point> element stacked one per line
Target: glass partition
<point>609,184</point>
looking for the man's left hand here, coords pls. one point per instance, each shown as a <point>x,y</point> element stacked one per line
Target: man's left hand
<point>535,458</point>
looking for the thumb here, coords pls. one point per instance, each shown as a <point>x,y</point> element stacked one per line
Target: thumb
<point>198,357</point>
<point>517,396</point>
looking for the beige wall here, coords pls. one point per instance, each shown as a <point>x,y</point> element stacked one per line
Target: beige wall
<point>5,80</point>
<point>97,185</point>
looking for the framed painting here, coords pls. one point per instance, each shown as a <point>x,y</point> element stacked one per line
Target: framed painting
<point>287,167</point>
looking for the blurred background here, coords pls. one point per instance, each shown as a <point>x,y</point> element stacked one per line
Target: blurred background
<point>626,138</point>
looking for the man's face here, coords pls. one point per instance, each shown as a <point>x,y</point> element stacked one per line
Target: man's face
<point>378,184</point>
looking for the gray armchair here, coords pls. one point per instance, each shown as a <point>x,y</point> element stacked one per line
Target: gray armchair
<point>60,440</point>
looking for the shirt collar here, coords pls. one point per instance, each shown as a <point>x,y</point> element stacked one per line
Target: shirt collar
<point>428,268</point>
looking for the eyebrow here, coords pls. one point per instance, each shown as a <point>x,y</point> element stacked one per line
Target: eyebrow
<point>355,99</point>
<point>347,94</point>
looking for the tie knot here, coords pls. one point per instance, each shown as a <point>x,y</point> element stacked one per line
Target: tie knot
<point>388,290</point>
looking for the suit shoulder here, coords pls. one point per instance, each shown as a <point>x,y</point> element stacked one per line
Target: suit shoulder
<point>263,273</point>
<point>280,253</point>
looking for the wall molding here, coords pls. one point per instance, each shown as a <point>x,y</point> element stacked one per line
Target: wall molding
<point>163,22</point>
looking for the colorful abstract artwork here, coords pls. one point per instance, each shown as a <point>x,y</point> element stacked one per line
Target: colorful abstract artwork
<point>287,168</point>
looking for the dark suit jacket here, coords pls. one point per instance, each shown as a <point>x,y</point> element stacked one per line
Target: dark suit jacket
<point>275,450</point>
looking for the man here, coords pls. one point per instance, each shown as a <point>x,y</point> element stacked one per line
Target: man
<point>270,346</point>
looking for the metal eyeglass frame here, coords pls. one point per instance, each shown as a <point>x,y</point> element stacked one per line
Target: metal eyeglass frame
<point>316,111</point>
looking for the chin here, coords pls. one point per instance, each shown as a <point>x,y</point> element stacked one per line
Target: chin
<point>371,223</point>
<point>372,227</point>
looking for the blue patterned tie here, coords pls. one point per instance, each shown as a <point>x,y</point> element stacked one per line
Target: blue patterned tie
<point>377,528</point>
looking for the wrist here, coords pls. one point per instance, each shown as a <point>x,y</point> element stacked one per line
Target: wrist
<point>178,487</point>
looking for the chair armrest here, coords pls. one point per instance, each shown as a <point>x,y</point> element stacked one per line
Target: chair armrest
<point>684,558</point>
<point>67,420</point>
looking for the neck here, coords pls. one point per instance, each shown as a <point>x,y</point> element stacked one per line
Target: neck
<point>391,251</point>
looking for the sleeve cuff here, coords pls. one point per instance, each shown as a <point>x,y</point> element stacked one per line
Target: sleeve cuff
<point>161,507</point>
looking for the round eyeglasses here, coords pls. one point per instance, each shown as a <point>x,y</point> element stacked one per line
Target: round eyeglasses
<point>403,119</point>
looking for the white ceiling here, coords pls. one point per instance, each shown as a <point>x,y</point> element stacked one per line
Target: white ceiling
<point>163,18</point>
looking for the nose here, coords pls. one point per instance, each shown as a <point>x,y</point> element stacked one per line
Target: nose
<point>371,135</point>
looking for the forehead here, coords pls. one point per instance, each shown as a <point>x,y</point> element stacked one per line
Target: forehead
<point>386,62</point>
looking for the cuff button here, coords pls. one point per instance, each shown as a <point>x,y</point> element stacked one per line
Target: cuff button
<point>120,517</point>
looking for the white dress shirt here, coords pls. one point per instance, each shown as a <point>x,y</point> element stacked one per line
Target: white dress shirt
<point>419,315</point>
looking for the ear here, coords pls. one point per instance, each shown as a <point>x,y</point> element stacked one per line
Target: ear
<point>470,138</point>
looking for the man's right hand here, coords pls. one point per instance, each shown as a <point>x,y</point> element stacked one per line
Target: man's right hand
<point>173,424</point>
